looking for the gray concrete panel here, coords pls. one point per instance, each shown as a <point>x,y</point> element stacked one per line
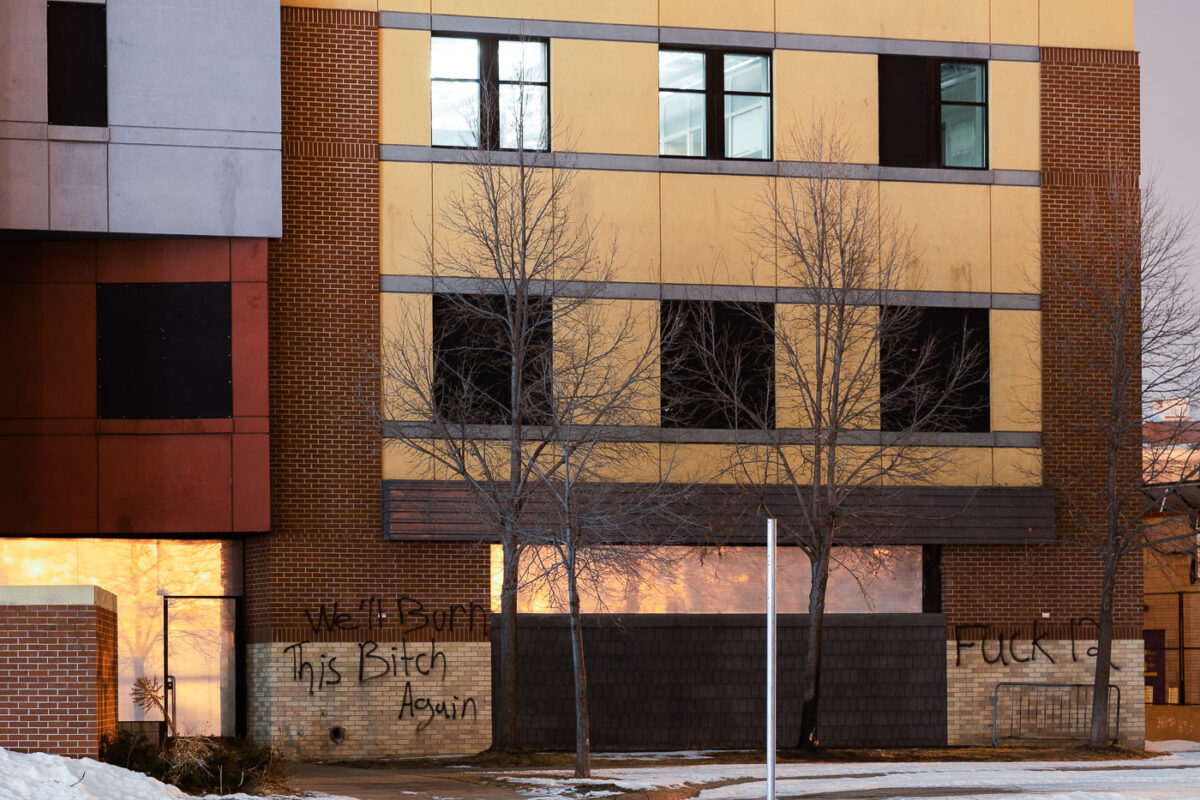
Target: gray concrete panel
<point>78,186</point>
<point>24,195</point>
<point>194,191</point>
<point>23,60</point>
<point>194,64</point>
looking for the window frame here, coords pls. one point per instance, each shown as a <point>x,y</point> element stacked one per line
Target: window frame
<point>678,347</point>
<point>934,155</point>
<point>489,91</point>
<point>714,100</point>
<point>935,127</point>
<point>975,419</point>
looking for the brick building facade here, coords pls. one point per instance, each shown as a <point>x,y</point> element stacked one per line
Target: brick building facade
<point>366,603</point>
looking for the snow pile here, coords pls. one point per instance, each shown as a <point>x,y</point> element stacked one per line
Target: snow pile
<point>41,776</point>
<point>1173,746</point>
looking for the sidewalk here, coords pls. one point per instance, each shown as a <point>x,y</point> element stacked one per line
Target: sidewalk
<point>393,784</point>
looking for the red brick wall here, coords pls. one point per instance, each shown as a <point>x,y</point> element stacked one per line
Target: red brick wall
<point>58,678</point>
<point>326,543</point>
<point>62,470</point>
<point>1090,120</point>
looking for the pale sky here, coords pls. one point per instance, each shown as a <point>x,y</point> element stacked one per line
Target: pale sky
<point>1165,33</point>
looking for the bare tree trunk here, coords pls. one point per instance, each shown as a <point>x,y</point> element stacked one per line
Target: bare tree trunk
<point>583,743</point>
<point>1099,733</point>
<point>504,737</point>
<point>812,661</point>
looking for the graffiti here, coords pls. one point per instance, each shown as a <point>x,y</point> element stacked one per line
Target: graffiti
<point>996,646</point>
<point>412,617</point>
<point>411,662</point>
<point>455,709</point>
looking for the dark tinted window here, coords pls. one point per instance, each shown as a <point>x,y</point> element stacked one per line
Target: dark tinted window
<point>76,64</point>
<point>718,364</point>
<point>473,360</point>
<point>163,350</point>
<point>934,369</point>
<point>932,112</point>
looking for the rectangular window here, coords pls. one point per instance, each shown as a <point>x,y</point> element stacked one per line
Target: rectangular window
<point>76,64</point>
<point>473,359</point>
<point>718,364</point>
<point>163,351</point>
<point>490,92</point>
<point>714,104</point>
<point>932,112</point>
<point>934,370</point>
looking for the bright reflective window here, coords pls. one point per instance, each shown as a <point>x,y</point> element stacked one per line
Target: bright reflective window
<point>714,104</point>
<point>490,92</point>
<point>728,580</point>
<point>139,572</point>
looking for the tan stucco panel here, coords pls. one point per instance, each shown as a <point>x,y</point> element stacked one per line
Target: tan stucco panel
<point>1103,24</point>
<point>623,207</point>
<point>708,230</point>
<point>604,96</point>
<point>1016,225</point>
<point>951,237</point>
<point>405,217</point>
<point>1014,114</point>
<point>746,15</point>
<point>629,12</point>
<point>945,20</point>
<point>404,88</point>
<point>1016,369</point>
<point>840,90</point>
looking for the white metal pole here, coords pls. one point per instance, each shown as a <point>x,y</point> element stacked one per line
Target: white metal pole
<point>770,659</point>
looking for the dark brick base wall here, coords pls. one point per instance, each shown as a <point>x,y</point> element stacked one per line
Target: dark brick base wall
<point>688,681</point>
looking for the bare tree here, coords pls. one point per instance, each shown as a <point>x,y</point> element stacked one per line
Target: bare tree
<point>1123,275</point>
<point>465,392</point>
<point>808,385</point>
<point>605,390</point>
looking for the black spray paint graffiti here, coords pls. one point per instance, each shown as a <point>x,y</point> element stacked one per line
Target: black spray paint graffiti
<point>412,617</point>
<point>1007,651</point>
<point>396,661</point>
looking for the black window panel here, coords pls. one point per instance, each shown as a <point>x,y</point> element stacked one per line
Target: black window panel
<point>934,371</point>
<point>905,105</point>
<point>473,359</point>
<point>712,350</point>
<point>163,351</point>
<point>76,64</point>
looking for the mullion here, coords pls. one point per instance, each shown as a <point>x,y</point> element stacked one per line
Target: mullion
<point>489,93</point>
<point>714,111</point>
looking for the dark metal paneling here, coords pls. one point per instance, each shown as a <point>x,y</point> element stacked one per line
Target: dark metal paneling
<point>661,681</point>
<point>446,511</point>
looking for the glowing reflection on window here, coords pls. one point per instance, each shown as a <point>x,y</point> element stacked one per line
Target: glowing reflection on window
<point>730,580</point>
<point>139,572</point>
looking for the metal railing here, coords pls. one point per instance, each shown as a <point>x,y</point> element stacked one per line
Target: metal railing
<point>1049,711</point>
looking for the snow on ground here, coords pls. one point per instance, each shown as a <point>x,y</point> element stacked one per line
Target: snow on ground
<point>1175,776</point>
<point>41,776</point>
<point>1173,746</point>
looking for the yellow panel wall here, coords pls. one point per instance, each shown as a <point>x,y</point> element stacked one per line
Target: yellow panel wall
<point>1016,234</point>
<point>841,88</point>
<point>1014,114</point>
<point>945,20</point>
<point>404,87</point>
<point>1104,24</point>
<point>1015,466</point>
<point>708,230</point>
<point>744,15</point>
<point>629,12</point>
<point>951,235</point>
<point>604,96</point>
<point>1014,21</point>
<point>624,208</point>
<point>405,217</point>
<point>1016,370</point>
